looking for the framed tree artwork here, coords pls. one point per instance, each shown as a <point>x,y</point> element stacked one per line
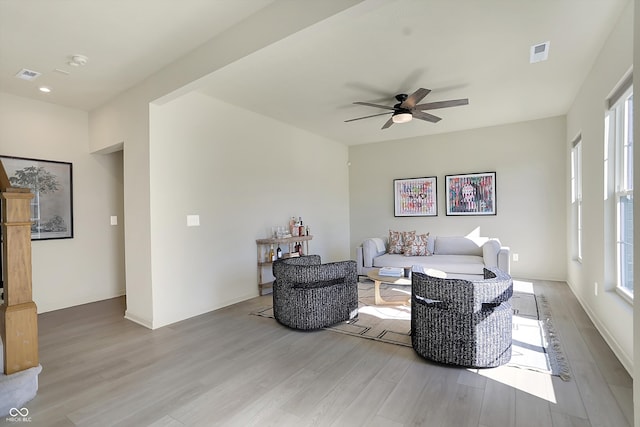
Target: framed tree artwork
<point>51,183</point>
<point>471,194</point>
<point>415,196</point>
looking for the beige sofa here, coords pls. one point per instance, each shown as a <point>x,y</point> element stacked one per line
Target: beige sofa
<point>457,256</point>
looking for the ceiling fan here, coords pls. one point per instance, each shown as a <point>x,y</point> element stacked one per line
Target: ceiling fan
<point>408,108</point>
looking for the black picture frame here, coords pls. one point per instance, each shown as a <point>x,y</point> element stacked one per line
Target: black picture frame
<point>415,196</point>
<point>51,182</point>
<point>471,194</point>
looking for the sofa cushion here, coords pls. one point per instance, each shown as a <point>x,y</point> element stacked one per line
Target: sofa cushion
<point>456,246</point>
<point>455,264</point>
<point>397,239</point>
<point>416,245</point>
<point>458,264</point>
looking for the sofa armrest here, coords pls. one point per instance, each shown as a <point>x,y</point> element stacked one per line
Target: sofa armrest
<point>360,261</point>
<point>496,255</point>
<point>490,250</point>
<point>504,259</point>
<point>372,248</point>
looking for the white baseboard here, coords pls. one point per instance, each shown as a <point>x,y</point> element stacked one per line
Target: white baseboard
<point>139,320</point>
<point>622,356</point>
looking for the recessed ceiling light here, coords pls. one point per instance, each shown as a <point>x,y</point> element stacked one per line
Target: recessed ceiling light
<point>44,89</point>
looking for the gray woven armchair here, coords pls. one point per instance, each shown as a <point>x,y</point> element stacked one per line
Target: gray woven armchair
<point>461,322</point>
<point>311,295</point>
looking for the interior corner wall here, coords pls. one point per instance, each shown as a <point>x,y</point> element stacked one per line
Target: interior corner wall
<point>609,312</point>
<point>124,122</point>
<point>241,173</point>
<point>529,161</point>
<point>90,266</point>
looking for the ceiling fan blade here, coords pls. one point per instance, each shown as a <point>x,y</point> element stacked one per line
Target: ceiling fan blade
<point>425,116</point>
<point>441,104</point>
<point>366,117</point>
<point>368,104</point>
<point>414,98</point>
<point>388,123</point>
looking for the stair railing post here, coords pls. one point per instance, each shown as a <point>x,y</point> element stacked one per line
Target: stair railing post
<point>18,313</point>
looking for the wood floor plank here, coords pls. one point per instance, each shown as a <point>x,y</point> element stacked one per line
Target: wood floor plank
<point>230,368</point>
<point>463,408</point>
<point>599,402</point>
<point>166,421</point>
<point>531,411</point>
<point>624,398</point>
<point>402,400</point>
<point>608,364</point>
<point>564,420</point>
<point>365,407</point>
<point>441,389</point>
<point>498,405</point>
<point>306,401</point>
<point>330,407</point>
<point>567,399</point>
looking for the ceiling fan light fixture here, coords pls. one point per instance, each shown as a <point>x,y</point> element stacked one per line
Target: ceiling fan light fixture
<point>402,118</point>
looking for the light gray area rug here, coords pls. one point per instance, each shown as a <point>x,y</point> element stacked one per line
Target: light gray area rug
<point>535,345</point>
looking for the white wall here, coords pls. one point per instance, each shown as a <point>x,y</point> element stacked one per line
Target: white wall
<point>611,314</point>
<point>529,161</point>
<point>90,266</point>
<point>241,173</point>
<point>124,121</point>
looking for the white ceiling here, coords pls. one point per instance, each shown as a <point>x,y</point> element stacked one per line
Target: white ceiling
<point>370,52</point>
<point>126,41</point>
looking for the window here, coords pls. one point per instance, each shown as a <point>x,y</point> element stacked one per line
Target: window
<point>619,132</point>
<point>576,195</point>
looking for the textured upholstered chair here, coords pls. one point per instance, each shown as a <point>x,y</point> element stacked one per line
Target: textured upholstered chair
<point>462,322</point>
<point>311,295</point>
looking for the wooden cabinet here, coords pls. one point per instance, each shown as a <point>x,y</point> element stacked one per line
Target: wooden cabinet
<point>287,244</point>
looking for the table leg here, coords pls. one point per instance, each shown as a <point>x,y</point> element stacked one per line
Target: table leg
<point>376,295</point>
<point>377,298</point>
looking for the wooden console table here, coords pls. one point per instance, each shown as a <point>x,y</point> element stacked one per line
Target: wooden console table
<point>265,281</point>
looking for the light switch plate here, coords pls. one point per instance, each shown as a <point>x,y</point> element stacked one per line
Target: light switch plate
<point>193,220</point>
<point>114,220</point>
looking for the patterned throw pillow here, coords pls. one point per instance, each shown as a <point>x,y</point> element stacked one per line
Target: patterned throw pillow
<point>397,240</point>
<point>416,245</point>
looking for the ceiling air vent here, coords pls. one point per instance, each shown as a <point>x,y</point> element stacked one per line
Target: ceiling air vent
<point>539,52</point>
<point>25,74</point>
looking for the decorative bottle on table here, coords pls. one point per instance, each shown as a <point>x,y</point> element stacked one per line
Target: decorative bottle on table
<point>292,224</point>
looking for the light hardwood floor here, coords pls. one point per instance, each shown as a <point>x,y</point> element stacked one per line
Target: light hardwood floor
<point>234,369</point>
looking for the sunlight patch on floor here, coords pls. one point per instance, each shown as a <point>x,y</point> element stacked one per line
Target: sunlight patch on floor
<point>522,286</point>
<point>397,312</point>
<point>534,383</point>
